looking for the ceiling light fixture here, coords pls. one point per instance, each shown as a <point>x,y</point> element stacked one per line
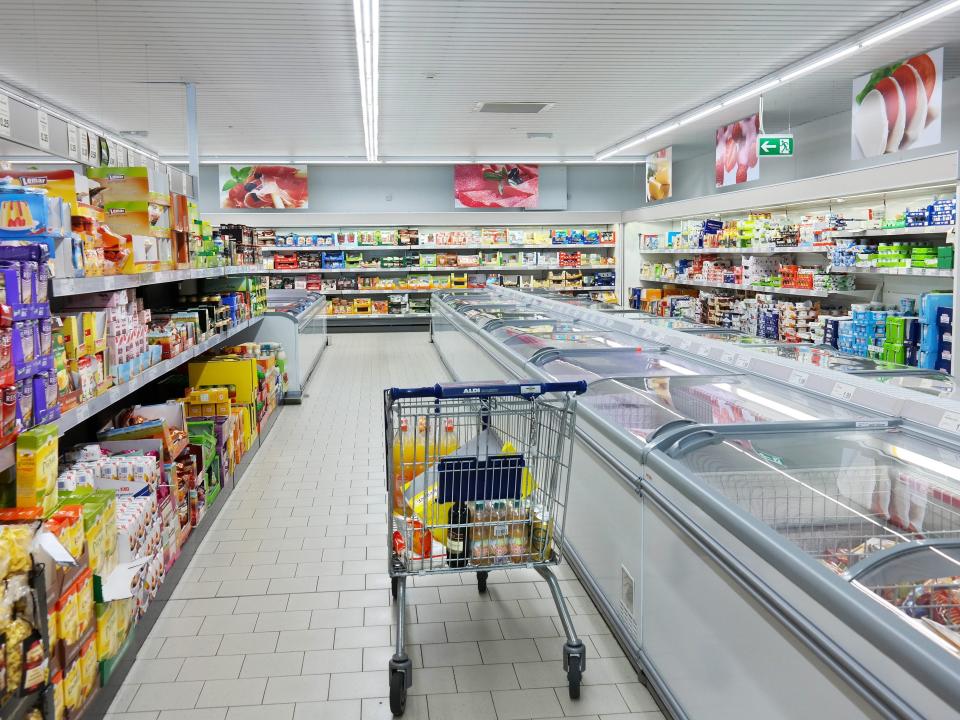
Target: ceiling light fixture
<point>366,20</point>
<point>905,22</point>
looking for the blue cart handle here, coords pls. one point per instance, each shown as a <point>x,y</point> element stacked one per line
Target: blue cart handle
<point>531,389</point>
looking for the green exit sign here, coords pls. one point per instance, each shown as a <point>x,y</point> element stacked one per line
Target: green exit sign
<point>775,145</point>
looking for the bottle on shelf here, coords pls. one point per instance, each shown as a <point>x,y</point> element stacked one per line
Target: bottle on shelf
<point>500,535</point>
<point>479,547</point>
<point>519,532</point>
<point>458,535</point>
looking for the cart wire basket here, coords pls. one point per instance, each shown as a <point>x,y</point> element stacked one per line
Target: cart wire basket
<point>477,480</point>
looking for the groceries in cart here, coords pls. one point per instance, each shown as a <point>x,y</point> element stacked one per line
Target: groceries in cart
<point>464,496</point>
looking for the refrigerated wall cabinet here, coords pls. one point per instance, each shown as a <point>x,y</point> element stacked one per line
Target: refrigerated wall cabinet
<point>761,550</point>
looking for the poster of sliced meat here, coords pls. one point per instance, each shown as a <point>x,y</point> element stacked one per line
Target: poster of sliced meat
<point>259,187</point>
<point>496,186</point>
<point>736,159</point>
<point>897,107</point>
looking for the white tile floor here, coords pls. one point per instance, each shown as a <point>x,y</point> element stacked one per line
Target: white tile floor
<point>284,612</point>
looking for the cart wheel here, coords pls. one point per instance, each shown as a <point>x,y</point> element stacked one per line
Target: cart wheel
<point>398,693</point>
<point>481,582</point>
<point>574,660</point>
<point>574,676</point>
<point>393,586</point>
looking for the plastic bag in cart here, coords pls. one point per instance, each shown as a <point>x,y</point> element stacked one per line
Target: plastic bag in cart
<point>484,468</point>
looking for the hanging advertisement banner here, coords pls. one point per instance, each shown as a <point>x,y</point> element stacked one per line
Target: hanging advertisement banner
<point>736,152</point>
<point>496,186</point>
<point>258,187</point>
<point>660,175</point>
<point>897,107</point>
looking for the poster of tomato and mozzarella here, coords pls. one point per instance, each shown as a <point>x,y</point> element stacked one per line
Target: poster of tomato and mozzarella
<point>897,107</point>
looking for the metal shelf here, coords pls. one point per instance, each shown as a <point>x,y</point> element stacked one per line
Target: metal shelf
<point>17,708</point>
<point>735,251</point>
<point>61,287</point>
<point>752,288</point>
<point>79,414</point>
<point>354,248</point>
<point>927,272</point>
<point>406,291</point>
<point>414,270</point>
<point>892,232</point>
<point>378,316</point>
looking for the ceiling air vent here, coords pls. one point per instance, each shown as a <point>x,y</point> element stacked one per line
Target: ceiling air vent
<point>513,108</point>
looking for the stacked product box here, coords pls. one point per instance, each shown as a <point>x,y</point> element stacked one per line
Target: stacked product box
<point>28,382</point>
<point>115,329</point>
<point>936,331</point>
<point>902,341</point>
<point>869,327</point>
<point>769,323</point>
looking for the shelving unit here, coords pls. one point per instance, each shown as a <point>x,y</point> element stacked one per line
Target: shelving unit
<point>751,288</point>
<point>520,233</point>
<point>860,198</point>
<point>502,246</point>
<point>436,268</point>
<point>735,251</point>
<point>62,287</point>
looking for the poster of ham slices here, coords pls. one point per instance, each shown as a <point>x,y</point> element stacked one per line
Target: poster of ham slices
<point>897,107</point>
<point>276,187</point>
<point>496,185</point>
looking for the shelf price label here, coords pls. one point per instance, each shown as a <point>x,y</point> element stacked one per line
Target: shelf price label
<point>780,145</point>
<point>43,126</point>
<point>842,391</point>
<point>798,378</point>
<point>73,142</point>
<point>950,421</point>
<point>4,116</point>
<point>728,358</point>
<point>743,362</point>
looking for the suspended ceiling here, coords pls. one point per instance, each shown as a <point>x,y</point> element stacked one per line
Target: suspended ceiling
<point>280,78</point>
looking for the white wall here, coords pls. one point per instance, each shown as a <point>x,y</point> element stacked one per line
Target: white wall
<point>429,189</point>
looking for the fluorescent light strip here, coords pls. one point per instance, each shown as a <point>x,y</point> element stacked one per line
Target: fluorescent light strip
<point>366,19</point>
<point>912,21</point>
<point>926,13</point>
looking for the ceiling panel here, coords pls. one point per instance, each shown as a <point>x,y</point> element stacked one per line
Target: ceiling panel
<point>612,68</point>
<point>277,77</point>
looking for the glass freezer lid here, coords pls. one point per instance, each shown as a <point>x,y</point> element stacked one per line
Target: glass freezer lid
<point>592,365</point>
<point>927,382</point>
<point>527,344</point>
<point>542,326</point>
<point>671,323</point>
<point>642,405</point>
<point>736,338</point>
<point>828,357</point>
<point>840,496</point>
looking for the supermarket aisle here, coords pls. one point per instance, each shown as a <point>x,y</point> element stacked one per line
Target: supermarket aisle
<point>286,603</point>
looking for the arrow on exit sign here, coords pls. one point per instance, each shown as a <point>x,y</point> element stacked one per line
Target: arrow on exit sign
<point>775,145</point>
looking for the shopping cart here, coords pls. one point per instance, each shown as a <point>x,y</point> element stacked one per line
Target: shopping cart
<point>477,479</point>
